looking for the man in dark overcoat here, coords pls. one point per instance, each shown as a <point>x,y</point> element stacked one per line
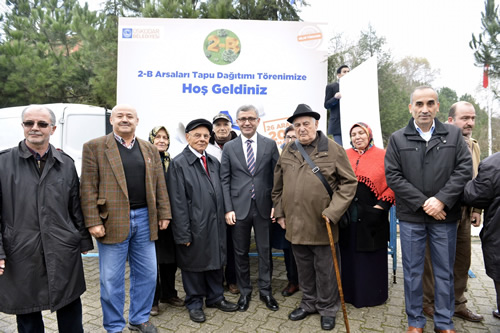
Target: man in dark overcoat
<point>42,232</point>
<point>198,222</point>
<point>484,192</point>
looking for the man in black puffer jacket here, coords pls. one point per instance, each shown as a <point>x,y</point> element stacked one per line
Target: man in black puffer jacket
<point>427,165</point>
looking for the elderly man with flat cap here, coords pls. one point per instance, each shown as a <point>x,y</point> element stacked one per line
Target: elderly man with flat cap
<point>301,197</point>
<point>198,222</point>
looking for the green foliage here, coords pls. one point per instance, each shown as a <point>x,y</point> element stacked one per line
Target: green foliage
<point>38,58</point>
<point>397,80</point>
<point>447,97</point>
<point>486,45</point>
<point>58,51</point>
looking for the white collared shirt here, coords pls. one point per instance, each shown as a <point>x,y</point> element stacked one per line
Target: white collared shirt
<point>254,145</point>
<point>199,156</point>
<point>425,135</point>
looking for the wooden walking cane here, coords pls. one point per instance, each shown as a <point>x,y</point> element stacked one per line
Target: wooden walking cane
<point>337,272</point>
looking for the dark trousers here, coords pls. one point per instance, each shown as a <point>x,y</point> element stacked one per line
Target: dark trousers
<point>69,320</point>
<point>460,268</point>
<point>165,283</point>
<point>291,267</point>
<point>241,241</point>
<point>497,288</point>
<point>230,271</point>
<point>206,284</point>
<point>317,278</point>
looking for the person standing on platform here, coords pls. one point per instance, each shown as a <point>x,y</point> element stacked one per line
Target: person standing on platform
<point>332,103</point>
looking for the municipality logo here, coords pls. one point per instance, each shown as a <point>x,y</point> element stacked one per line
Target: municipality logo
<point>127,33</point>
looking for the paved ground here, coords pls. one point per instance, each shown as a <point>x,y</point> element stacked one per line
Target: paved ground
<point>389,317</point>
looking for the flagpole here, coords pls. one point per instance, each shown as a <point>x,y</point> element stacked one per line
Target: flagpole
<point>490,137</point>
<point>488,107</point>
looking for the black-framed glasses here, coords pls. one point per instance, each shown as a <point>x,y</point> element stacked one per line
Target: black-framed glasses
<point>31,123</point>
<point>290,137</point>
<point>249,119</point>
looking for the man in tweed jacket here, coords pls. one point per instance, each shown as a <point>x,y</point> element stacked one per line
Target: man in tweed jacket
<point>124,201</point>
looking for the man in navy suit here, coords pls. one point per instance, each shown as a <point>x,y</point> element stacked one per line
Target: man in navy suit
<point>247,169</point>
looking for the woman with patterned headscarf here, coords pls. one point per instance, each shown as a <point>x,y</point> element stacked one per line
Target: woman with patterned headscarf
<point>363,243</point>
<point>165,248</point>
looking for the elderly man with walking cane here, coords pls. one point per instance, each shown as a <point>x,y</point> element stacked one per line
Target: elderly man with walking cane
<point>313,177</point>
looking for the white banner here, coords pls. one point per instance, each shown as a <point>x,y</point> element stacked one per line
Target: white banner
<point>359,89</point>
<point>177,70</point>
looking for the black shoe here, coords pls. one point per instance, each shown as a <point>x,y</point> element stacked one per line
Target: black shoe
<point>197,315</point>
<point>224,305</point>
<point>327,323</point>
<point>244,303</point>
<point>146,327</point>
<point>270,302</point>
<point>290,289</point>
<point>298,314</point>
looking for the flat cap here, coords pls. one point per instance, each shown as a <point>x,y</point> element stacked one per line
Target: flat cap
<point>221,116</point>
<point>197,123</point>
<point>303,110</point>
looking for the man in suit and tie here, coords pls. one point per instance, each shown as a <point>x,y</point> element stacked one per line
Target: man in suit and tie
<point>247,169</point>
<point>124,201</point>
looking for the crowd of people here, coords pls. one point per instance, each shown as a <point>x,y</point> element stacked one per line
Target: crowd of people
<point>196,212</point>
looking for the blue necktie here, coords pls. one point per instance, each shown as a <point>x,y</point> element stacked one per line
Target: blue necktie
<point>251,163</point>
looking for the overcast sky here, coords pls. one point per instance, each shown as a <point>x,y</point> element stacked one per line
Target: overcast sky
<point>439,30</point>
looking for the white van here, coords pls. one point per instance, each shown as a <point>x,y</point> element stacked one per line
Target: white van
<point>76,124</point>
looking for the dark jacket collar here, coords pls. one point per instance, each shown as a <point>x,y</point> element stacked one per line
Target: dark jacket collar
<point>25,153</point>
<point>191,157</point>
<point>439,130</point>
<point>212,137</point>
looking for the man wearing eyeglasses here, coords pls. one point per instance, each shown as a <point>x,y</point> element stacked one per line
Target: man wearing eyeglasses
<point>198,222</point>
<point>247,179</point>
<point>42,232</point>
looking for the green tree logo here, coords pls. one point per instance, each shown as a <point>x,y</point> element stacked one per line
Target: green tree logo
<point>222,47</point>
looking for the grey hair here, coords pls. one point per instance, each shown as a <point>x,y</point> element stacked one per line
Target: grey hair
<point>422,88</point>
<point>40,107</point>
<point>245,108</point>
